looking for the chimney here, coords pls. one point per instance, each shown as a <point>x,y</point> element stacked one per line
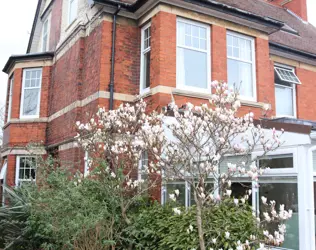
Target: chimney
<point>299,7</point>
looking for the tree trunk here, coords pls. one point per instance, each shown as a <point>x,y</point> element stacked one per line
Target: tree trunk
<point>199,221</point>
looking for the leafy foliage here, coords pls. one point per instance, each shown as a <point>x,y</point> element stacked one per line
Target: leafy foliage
<point>158,226</point>
<point>62,211</point>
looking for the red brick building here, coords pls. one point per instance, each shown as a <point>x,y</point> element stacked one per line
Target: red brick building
<point>83,54</point>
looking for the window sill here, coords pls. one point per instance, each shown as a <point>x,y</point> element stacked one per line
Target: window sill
<point>190,93</point>
<point>196,94</point>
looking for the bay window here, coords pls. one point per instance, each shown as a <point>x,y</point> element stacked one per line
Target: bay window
<point>25,170</point>
<point>145,59</point>
<point>285,91</point>
<point>193,55</point>
<point>31,93</point>
<point>241,65</point>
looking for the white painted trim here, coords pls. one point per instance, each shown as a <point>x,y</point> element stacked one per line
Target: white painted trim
<point>39,95</point>
<point>3,176</point>
<point>207,51</point>
<point>10,98</point>
<point>86,169</point>
<point>23,151</point>
<point>253,64</point>
<point>282,171</point>
<point>68,145</point>
<point>293,87</point>
<point>17,168</point>
<point>142,88</point>
<point>310,215</point>
<point>293,100</point>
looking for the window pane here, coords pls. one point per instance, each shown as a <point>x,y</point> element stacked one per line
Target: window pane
<point>188,40</point>
<point>209,187</point>
<point>181,33</point>
<point>284,101</point>
<point>229,40</point>
<point>73,10</point>
<point>284,193</point>
<point>240,76</point>
<point>45,43</point>
<point>277,161</point>
<point>195,31</point>
<point>171,187</point>
<point>203,33</point>
<point>30,102</point>
<point>146,70</point>
<point>188,29</point>
<point>192,68</point>
<point>240,189</point>
<point>314,163</point>
<point>203,44</point>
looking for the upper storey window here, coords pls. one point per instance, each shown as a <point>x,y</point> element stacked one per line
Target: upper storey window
<point>285,91</point>
<point>31,93</point>
<point>145,59</point>
<point>45,36</point>
<point>73,11</point>
<point>193,55</point>
<point>241,65</point>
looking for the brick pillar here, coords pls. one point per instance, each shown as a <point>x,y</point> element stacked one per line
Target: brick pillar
<point>264,74</point>
<point>219,53</point>
<point>163,50</point>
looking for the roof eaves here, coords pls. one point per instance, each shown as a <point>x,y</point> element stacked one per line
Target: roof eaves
<point>239,12</point>
<point>288,49</point>
<point>205,3</point>
<point>38,8</point>
<point>34,56</point>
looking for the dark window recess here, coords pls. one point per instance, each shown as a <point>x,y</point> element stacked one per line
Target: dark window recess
<point>277,161</point>
<point>147,70</point>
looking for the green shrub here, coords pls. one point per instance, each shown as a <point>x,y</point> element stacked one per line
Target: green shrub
<point>157,227</point>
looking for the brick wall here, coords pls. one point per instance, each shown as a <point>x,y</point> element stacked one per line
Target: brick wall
<point>55,26</point>
<point>163,50</point>
<point>85,69</point>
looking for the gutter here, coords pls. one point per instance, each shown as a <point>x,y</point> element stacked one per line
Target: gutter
<point>111,85</point>
<point>16,58</point>
<point>238,12</point>
<point>288,49</point>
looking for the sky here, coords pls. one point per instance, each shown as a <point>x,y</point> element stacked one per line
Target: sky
<point>16,28</point>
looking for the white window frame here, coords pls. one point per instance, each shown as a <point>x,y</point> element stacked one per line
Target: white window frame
<point>281,171</point>
<point>293,87</point>
<point>3,176</point>
<point>10,98</point>
<point>142,88</point>
<point>140,166</point>
<point>17,170</point>
<point>86,169</point>
<point>23,92</point>
<point>45,34</point>
<point>253,64</point>
<point>181,85</point>
<point>286,68</point>
<point>69,11</point>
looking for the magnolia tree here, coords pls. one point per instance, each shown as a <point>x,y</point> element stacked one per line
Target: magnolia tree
<point>189,144</point>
